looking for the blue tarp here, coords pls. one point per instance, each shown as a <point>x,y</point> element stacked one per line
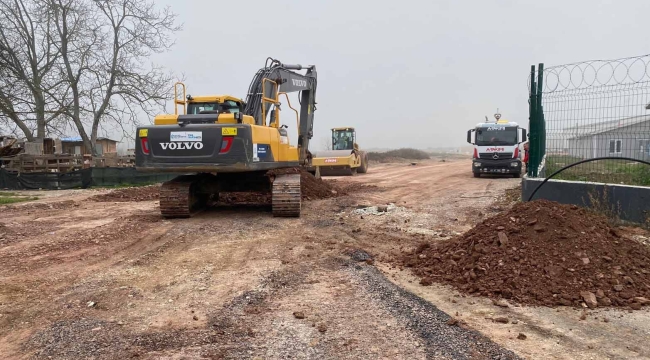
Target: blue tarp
<point>72,139</point>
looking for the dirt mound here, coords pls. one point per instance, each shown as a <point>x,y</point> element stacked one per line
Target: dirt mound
<point>541,253</point>
<point>244,198</point>
<point>143,193</point>
<point>311,187</point>
<point>347,188</point>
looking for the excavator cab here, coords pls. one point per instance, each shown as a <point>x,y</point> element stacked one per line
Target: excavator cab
<point>344,139</point>
<point>202,109</point>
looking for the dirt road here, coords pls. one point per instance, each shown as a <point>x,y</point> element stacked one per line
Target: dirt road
<point>105,280</point>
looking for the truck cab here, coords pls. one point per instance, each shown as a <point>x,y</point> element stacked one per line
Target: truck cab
<point>496,148</point>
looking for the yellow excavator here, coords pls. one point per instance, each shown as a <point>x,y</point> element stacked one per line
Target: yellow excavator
<point>344,158</point>
<point>223,144</point>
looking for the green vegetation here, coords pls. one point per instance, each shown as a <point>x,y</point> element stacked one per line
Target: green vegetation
<point>10,198</point>
<point>603,171</point>
<point>405,153</point>
<point>126,185</point>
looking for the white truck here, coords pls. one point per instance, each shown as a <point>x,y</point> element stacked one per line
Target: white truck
<point>496,147</point>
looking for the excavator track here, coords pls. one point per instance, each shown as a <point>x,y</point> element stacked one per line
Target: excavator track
<point>177,198</point>
<point>286,198</point>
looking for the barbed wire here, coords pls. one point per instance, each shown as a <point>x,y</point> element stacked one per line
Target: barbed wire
<point>595,109</point>
<point>594,74</point>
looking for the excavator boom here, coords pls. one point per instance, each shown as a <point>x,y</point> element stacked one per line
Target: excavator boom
<point>284,80</point>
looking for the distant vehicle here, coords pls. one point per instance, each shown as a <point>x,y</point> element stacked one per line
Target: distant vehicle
<point>496,147</point>
<point>345,158</point>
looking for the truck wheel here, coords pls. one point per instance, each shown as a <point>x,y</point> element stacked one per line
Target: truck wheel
<point>363,168</point>
<point>477,174</point>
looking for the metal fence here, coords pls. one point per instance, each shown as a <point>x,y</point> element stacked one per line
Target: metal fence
<point>589,110</point>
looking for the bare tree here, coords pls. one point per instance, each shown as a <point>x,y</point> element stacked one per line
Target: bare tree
<point>326,143</point>
<point>105,46</point>
<point>82,61</point>
<point>28,59</point>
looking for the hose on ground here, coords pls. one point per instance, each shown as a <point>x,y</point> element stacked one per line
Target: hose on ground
<point>582,162</point>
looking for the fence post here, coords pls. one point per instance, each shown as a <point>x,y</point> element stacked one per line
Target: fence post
<point>541,122</point>
<point>531,168</point>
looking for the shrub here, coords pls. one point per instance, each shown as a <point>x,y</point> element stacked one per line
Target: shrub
<point>405,153</point>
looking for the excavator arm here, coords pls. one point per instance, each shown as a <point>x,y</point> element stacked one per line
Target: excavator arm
<point>275,78</point>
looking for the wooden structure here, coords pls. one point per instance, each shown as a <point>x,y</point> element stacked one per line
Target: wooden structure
<point>75,146</point>
<point>62,163</point>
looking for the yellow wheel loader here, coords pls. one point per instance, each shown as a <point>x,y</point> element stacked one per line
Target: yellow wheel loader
<point>223,144</point>
<point>345,158</point>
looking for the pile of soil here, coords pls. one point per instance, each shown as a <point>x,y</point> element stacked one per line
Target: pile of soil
<point>311,188</point>
<point>135,194</point>
<point>242,198</point>
<point>541,253</point>
<point>346,188</point>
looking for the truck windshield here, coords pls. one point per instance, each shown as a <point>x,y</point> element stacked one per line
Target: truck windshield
<point>496,136</point>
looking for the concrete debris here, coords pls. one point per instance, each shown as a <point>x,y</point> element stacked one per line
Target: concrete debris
<point>378,210</point>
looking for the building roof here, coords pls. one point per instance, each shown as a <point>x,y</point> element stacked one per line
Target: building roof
<point>78,139</point>
<point>604,126</point>
<point>72,139</point>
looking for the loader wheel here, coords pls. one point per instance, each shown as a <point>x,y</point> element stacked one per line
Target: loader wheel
<point>364,164</point>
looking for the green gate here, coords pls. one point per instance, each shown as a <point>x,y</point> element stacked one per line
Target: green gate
<point>591,110</point>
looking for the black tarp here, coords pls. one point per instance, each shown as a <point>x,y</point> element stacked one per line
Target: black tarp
<point>45,180</point>
<point>127,176</point>
<point>79,179</point>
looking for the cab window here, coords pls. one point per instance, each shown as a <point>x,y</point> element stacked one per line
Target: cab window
<point>197,108</point>
<point>230,106</point>
<point>343,140</point>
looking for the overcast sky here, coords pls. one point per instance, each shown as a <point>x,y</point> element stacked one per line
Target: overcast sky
<point>404,73</point>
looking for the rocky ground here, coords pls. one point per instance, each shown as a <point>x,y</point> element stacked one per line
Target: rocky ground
<point>109,278</point>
